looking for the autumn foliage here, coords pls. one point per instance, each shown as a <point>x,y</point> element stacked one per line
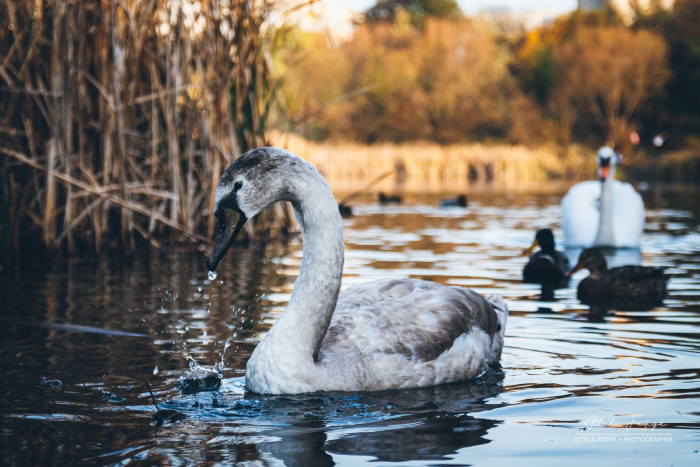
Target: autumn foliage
<point>583,79</point>
<point>440,83</point>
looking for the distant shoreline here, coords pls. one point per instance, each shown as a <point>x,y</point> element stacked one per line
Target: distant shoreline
<point>421,165</point>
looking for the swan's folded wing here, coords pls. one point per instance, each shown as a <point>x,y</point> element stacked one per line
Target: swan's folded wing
<point>580,212</point>
<point>417,319</point>
<point>629,216</point>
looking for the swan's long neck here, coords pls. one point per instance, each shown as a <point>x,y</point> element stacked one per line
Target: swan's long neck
<point>606,233</point>
<point>303,325</point>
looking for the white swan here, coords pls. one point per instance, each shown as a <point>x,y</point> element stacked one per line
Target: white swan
<point>613,219</point>
<point>379,335</point>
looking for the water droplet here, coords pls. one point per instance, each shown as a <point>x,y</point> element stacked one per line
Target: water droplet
<point>221,363</point>
<point>155,370</point>
<point>193,363</point>
<point>212,275</point>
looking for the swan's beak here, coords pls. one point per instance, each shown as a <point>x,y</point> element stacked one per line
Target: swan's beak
<point>578,267</point>
<point>531,248</point>
<point>603,169</point>
<point>230,224</point>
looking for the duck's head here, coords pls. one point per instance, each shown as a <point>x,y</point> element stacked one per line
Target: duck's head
<point>607,160</point>
<point>254,181</point>
<point>593,260</point>
<point>545,239</point>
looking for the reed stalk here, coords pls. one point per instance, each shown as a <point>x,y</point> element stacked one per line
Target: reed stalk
<point>117,117</point>
<point>435,164</point>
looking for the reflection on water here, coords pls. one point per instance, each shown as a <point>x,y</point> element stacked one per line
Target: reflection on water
<point>80,340</point>
<point>615,257</point>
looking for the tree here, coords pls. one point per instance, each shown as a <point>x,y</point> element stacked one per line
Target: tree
<point>608,72</point>
<point>679,110</point>
<point>418,10</point>
<point>461,75</point>
<point>443,82</point>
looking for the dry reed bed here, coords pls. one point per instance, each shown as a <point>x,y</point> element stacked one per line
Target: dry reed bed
<point>117,117</point>
<point>425,162</point>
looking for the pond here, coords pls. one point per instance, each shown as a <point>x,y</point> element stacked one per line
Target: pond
<point>79,341</point>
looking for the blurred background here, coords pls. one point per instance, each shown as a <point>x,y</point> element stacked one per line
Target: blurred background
<point>117,118</point>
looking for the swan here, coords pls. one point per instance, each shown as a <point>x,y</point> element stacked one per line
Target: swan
<point>392,333</point>
<point>548,266</point>
<point>612,219</point>
<point>622,288</point>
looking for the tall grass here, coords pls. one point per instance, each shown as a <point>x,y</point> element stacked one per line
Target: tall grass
<point>118,117</point>
<point>433,163</point>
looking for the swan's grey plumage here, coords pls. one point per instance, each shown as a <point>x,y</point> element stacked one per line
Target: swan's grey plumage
<point>399,333</point>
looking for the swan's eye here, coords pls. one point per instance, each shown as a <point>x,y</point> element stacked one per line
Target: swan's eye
<point>237,186</point>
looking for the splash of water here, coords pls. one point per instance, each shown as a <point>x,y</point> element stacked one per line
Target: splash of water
<point>221,363</point>
<point>212,275</point>
<point>193,363</point>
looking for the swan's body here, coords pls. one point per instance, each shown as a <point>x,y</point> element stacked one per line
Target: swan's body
<point>581,215</point>
<point>604,213</point>
<point>385,334</point>
<point>373,336</point>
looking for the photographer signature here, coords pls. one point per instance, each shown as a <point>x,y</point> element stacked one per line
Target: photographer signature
<point>594,421</point>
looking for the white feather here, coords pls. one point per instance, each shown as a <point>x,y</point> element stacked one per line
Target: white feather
<point>581,214</point>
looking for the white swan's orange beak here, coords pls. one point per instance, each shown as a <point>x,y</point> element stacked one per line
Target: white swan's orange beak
<point>603,169</point>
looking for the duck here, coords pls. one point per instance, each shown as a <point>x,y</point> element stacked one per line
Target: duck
<point>548,266</point>
<point>386,199</point>
<point>604,213</point>
<point>459,201</point>
<point>345,210</point>
<point>380,335</point>
<point>623,288</point>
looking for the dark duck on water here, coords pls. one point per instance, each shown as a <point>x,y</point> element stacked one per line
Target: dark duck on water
<point>548,266</point>
<point>387,199</point>
<point>457,202</point>
<point>622,288</point>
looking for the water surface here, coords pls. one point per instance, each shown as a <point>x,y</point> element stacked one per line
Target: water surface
<point>78,342</point>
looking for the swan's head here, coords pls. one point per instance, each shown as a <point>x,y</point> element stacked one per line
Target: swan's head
<point>593,260</point>
<point>254,181</point>
<point>607,159</point>
<point>545,239</point>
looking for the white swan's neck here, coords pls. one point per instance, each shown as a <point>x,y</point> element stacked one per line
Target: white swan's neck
<point>606,233</point>
<point>298,333</point>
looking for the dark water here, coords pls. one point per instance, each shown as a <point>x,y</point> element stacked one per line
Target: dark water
<point>571,389</point>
